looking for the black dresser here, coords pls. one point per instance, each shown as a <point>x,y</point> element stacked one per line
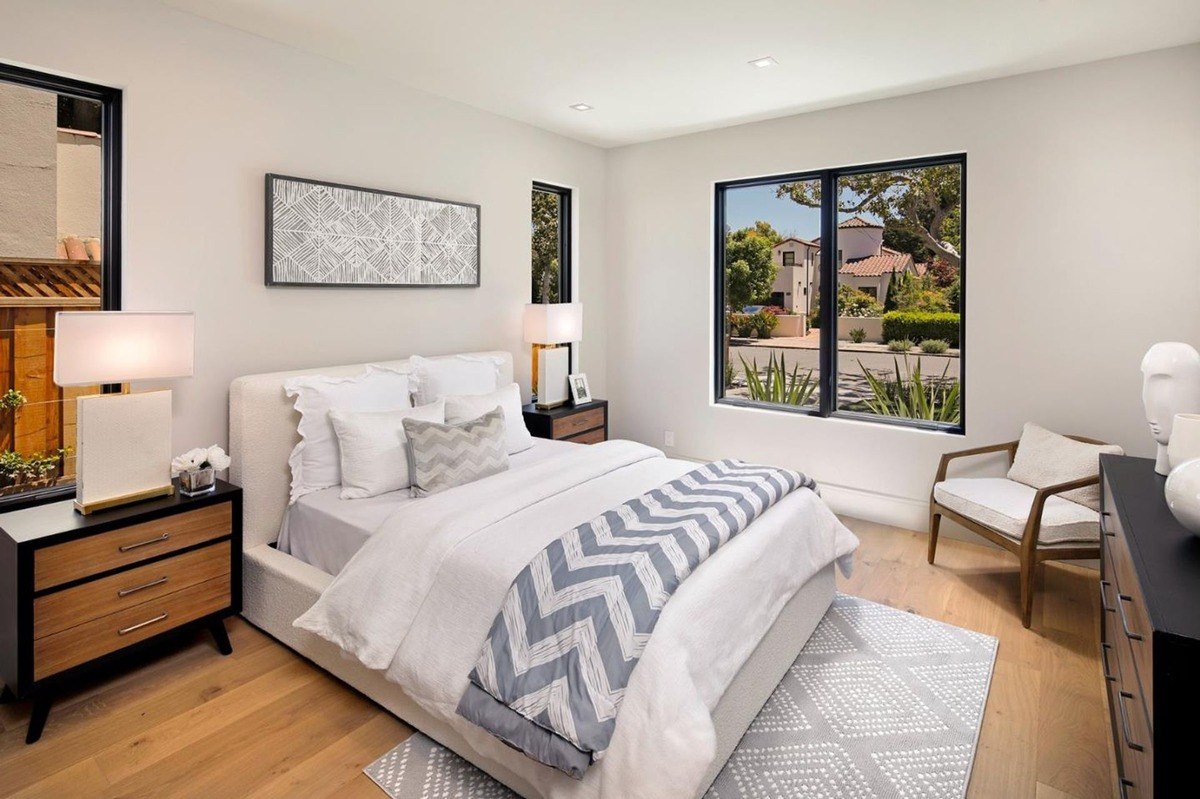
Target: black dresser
<point>1149,632</point>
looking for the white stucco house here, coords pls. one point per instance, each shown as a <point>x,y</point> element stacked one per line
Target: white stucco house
<point>863,262</point>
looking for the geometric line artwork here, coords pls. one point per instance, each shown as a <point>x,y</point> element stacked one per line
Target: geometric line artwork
<point>880,704</point>
<point>327,234</point>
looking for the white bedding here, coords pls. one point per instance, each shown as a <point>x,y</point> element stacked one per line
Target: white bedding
<point>325,531</point>
<point>418,598</point>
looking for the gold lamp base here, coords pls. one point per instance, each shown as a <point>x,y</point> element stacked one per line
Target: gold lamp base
<point>127,499</point>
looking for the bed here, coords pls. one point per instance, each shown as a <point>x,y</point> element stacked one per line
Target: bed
<point>286,574</point>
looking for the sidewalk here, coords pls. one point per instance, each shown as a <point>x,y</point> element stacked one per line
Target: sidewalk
<point>813,342</point>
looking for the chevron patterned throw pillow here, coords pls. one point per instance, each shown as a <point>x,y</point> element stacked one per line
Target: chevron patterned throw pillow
<point>442,456</point>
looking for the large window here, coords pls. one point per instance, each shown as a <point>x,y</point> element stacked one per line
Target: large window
<point>551,245</point>
<point>59,251</point>
<point>839,292</point>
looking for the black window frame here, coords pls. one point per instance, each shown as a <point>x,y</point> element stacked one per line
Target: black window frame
<point>785,255</point>
<point>827,296</point>
<point>565,267</point>
<point>110,100</point>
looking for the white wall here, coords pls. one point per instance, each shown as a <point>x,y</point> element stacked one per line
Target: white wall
<point>1083,243</point>
<point>28,120</point>
<point>209,110</point>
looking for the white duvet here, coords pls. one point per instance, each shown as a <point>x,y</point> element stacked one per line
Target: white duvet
<point>418,599</point>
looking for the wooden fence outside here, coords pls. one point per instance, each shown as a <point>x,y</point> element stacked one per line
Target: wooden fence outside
<point>32,291</point>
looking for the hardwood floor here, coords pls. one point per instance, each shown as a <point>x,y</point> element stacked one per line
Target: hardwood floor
<point>263,723</point>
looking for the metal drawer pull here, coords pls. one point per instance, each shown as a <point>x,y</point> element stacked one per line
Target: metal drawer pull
<point>1104,515</point>
<point>1103,602</point>
<point>1125,722</point>
<point>160,539</point>
<point>140,625</point>
<point>124,592</point>
<point>1124,621</point>
<point>1104,661</point>
<point>1126,784</point>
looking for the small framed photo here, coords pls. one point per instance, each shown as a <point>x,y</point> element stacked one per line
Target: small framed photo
<point>580,392</point>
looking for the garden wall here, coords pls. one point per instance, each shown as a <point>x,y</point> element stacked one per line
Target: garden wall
<point>871,325</point>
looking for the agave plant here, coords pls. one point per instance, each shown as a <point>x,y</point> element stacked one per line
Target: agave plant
<point>914,396</point>
<point>779,385</point>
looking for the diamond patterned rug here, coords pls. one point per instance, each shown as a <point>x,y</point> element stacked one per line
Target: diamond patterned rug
<point>880,704</point>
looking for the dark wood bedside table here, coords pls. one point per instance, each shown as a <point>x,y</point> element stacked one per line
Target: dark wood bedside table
<point>582,424</point>
<point>80,592</point>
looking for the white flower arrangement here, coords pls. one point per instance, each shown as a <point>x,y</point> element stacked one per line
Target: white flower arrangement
<point>200,458</point>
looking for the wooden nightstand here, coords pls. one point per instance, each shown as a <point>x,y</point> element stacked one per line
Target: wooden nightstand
<point>80,592</point>
<point>582,424</point>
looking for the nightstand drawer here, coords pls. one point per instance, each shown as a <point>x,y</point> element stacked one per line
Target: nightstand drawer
<point>99,553</point>
<point>590,437</point>
<point>577,423</point>
<point>65,609</point>
<point>99,637</point>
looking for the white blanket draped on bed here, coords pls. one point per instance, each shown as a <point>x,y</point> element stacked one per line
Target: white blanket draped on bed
<point>419,597</point>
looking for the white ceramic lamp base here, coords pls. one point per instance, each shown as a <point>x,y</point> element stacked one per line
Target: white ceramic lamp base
<point>553,366</point>
<point>123,449</point>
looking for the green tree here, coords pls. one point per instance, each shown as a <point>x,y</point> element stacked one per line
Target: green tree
<point>920,206</point>
<point>749,268</point>
<point>545,247</point>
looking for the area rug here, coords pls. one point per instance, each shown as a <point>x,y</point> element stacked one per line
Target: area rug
<point>880,704</point>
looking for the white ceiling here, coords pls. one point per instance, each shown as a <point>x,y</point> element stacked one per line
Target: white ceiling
<point>659,68</point>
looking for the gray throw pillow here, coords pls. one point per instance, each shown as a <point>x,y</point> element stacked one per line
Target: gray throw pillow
<point>442,456</point>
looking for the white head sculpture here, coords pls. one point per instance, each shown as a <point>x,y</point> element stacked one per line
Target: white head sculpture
<point>1170,385</point>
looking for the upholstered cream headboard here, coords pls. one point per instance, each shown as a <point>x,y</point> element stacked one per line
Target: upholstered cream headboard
<point>262,433</point>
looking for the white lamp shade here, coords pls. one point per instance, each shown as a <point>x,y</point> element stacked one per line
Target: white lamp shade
<point>553,322</point>
<point>92,347</point>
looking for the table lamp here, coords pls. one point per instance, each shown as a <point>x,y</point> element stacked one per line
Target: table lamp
<point>549,326</point>
<point>123,441</point>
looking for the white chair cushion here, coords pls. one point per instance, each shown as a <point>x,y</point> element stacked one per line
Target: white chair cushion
<point>1004,506</point>
<point>1045,459</point>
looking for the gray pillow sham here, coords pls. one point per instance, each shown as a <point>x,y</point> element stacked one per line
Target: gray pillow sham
<point>442,456</point>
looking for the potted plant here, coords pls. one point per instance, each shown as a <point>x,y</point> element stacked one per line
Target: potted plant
<point>197,469</point>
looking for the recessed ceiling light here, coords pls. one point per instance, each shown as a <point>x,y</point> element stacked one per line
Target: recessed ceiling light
<point>580,107</point>
<point>766,61</point>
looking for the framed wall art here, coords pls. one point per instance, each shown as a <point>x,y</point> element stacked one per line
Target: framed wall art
<point>327,235</point>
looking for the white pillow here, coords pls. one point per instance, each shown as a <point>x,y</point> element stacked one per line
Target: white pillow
<point>374,448</point>
<point>1045,459</point>
<point>458,374</point>
<point>464,407</point>
<point>315,461</point>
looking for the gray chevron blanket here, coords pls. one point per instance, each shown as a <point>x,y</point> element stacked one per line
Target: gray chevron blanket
<point>555,665</point>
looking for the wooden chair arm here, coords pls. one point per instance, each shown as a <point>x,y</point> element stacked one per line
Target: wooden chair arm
<point>1010,446</point>
<point>1033,527</point>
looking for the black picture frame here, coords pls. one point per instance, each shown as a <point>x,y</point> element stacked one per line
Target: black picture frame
<point>272,178</point>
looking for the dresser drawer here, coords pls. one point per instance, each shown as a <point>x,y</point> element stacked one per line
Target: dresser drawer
<point>1130,621</point>
<point>74,560</point>
<point>64,609</point>
<point>578,422</point>
<point>99,637</point>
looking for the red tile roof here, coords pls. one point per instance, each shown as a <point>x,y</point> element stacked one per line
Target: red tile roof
<point>857,221</point>
<point>801,241</point>
<point>876,265</point>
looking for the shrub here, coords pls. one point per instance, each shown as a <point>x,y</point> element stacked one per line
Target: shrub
<point>900,345</point>
<point>858,335</point>
<point>764,323</point>
<point>933,346</point>
<point>739,324</point>
<point>814,320</point>
<point>854,303</point>
<point>775,310</point>
<point>918,326</point>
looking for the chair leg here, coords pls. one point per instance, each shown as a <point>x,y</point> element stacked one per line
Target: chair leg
<point>935,523</point>
<point>1028,568</point>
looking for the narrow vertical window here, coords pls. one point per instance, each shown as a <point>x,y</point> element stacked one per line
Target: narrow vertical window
<point>551,244</point>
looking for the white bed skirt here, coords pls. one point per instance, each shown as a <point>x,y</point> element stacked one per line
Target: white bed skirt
<point>279,588</point>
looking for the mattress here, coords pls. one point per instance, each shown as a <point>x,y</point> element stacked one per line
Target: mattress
<point>325,531</point>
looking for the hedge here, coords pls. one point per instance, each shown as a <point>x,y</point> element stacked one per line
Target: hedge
<point>918,326</point>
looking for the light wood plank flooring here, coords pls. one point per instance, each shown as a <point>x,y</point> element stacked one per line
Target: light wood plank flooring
<point>264,723</point>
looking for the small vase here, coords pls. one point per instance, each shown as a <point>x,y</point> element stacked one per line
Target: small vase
<point>1183,494</point>
<point>201,481</point>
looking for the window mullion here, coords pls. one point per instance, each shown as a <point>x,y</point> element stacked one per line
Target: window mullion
<point>828,295</point>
